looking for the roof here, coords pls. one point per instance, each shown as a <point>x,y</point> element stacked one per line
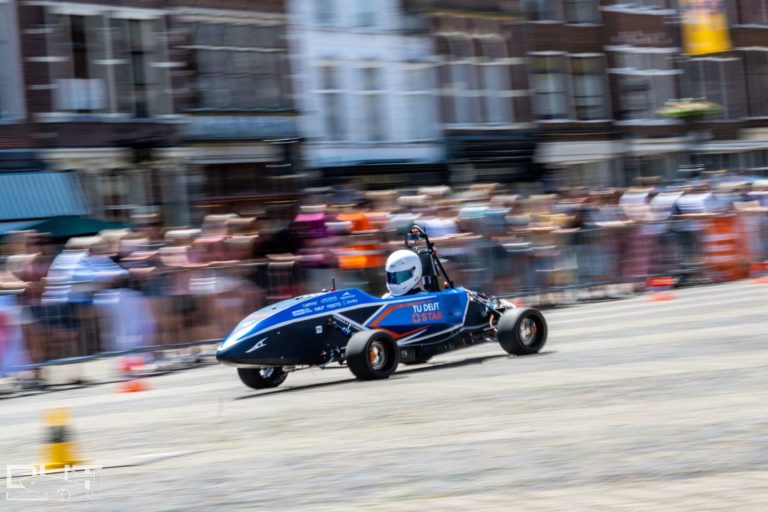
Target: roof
<point>40,195</point>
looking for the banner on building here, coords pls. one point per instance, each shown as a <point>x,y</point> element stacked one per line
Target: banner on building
<point>705,27</point>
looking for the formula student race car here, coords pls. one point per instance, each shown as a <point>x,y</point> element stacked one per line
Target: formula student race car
<point>373,335</point>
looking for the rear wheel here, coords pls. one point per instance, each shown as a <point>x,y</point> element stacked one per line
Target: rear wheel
<point>262,378</point>
<point>372,355</point>
<point>522,331</point>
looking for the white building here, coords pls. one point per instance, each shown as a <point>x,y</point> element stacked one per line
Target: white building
<point>364,83</point>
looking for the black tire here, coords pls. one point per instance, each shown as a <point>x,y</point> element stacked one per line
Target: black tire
<point>522,331</point>
<point>372,355</point>
<point>262,378</point>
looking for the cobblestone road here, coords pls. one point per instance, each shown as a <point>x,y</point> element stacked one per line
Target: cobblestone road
<point>635,405</point>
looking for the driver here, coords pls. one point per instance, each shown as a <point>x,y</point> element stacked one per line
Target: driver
<point>404,273</point>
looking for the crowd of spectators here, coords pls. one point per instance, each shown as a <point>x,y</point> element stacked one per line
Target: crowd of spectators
<point>155,285</point>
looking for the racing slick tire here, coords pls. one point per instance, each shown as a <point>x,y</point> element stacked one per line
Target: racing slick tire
<point>372,355</point>
<point>522,331</point>
<point>262,378</point>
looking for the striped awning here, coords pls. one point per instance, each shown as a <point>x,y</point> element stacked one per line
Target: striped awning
<point>40,195</point>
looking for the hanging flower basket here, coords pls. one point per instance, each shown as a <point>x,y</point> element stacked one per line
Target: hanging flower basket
<point>688,109</point>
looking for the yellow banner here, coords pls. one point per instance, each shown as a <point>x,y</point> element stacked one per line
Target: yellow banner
<point>705,27</point>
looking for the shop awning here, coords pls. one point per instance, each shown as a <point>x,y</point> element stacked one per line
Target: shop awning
<point>47,202</point>
<point>40,195</point>
<point>62,227</point>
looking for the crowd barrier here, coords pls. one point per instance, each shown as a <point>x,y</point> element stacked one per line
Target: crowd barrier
<point>547,265</point>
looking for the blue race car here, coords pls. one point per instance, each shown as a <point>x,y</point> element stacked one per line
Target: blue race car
<point>373,335</point>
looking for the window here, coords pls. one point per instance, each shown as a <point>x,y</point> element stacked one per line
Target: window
<point>477,72</point>
<point>366,13</point>
<point>374,115</point>
<point>646,79</point>
<point>550,84</point>
<point>330,98</point>
<point>462,76</point>
<point>720,80</point>
<point>496,72</point>
<point>756,65</point>
<point>240,66</point>
<point>81,85</point>
<point>324,12</point>
<point>581,11</point>
<point>420,102</point>
<point>589,97</point>
<point>11,92</point>
<point>646,4</point>
<point>543,10</point>
<point>109,65</point>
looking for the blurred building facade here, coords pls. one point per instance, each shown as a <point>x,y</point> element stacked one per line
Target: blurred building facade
<point>602,69</point>
<point>367,78</point>
<point>483,86</point>
<point>187,107</point>
<point>239,142</point>
<point>97,96</point>
<point>177,108</point>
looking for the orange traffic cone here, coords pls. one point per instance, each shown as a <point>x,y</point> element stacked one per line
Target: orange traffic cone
<point>130,366</point>
<point>758,272</point>
<point>660,288</point>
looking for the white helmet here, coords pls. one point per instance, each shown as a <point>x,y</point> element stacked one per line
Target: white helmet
<point>403,272</point>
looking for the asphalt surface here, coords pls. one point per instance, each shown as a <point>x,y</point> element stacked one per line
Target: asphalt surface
<point>634,405</point>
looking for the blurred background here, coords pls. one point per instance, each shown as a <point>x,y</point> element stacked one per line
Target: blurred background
<point>167,167</point>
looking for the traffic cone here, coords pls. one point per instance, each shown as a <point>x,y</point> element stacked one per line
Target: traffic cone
<point>758,272</point>
<point>58,450</point>
<point>129,366</point>
<point>660,288</point>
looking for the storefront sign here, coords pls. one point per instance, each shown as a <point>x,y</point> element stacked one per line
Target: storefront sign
<point>240,128</point>
<point>705,27</point>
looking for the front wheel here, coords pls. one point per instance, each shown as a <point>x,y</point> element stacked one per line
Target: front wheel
<point>262,378</point>
<point>522,331</point>
<point>372,355</point>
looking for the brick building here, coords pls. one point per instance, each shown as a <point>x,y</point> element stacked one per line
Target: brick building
<point>602,69</point>
<point>483,87</point>
<point>233,87</point>
<point>581,81</point>
<point>157,106</point>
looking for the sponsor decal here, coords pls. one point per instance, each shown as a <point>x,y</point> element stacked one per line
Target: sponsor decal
<point>310,304</point>
<point>326,300</point>
<point>428,306</point>
<point>426,312</point>
<point>300,312</point>
<point>347,295</point>
<point>256,346</point>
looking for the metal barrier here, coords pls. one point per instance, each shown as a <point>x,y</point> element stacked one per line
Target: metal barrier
<point>172,308</point>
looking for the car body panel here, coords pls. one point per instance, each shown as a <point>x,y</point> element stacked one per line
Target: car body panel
<point>307,330</point>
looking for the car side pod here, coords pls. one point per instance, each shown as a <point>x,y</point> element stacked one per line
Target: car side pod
<point>522,331</point>
<point>372,355</point>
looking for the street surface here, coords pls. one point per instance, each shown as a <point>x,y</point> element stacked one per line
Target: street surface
<point>634,405</point>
